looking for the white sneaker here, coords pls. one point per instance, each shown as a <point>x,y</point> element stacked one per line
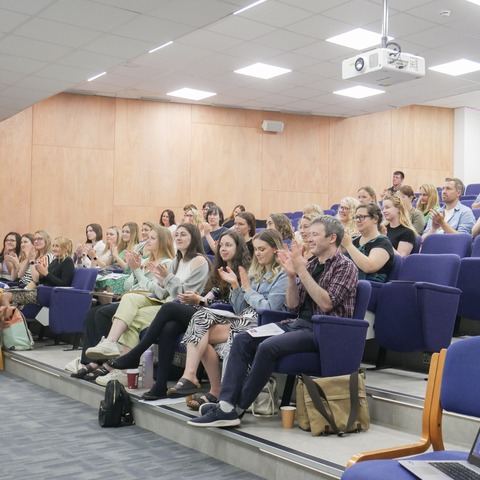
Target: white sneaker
<point>104,350</point>
<point>74,366</point>
<point>113,375</point>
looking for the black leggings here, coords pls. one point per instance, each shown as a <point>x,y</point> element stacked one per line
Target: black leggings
<point>171,321</point>
<point>97,325</point>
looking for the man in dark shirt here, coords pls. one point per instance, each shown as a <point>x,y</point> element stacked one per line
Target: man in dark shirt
<point>397,181</point>
<point>326,285</point>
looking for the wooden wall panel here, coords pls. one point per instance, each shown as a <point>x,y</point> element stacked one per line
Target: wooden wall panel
<point>16,175</point>
<point>109,160</point>
<point>75,121</point>
<point>296,160</point>
<point>226,166</point>
<point>234,117</point>
<point>152,153</point>
<point>360,154</point>
<point>62,202</point>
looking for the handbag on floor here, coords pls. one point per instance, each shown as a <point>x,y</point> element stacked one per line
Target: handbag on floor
<point>15,332</point>
<point>332,405</point>
<point>266,404</point>
<point>116,408</point>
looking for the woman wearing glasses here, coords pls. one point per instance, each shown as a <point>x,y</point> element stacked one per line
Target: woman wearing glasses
<point>372,252</point>
<point>11,248</point>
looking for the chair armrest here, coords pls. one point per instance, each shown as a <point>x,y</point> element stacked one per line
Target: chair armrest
<point>374,293</point>
<point>340,342</point>
<point>272,316</point>
<point>43,295</point>
<point>222,306</point>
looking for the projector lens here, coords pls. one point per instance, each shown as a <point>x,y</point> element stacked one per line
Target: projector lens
<point>359,64</point>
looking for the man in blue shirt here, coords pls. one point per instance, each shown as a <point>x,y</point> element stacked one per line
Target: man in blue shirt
<point>453,217</point>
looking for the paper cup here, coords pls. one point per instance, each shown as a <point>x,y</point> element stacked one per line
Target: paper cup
<point>132,378</point>
<point>288,416</point>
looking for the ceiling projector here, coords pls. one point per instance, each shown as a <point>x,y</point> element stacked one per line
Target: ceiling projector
<point>383,67</point>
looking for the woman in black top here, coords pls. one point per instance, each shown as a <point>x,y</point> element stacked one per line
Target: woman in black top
<point>372,252</point>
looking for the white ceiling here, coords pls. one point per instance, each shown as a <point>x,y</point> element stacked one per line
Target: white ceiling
<point>50,46</point>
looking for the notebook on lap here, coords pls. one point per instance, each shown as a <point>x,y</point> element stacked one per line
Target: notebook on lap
<point>447,469</point>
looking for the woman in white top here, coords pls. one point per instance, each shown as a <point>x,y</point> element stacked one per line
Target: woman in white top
<point>11,249</point>
<point>189,272</point>
<point>93,246</point>
<point>167,220</point>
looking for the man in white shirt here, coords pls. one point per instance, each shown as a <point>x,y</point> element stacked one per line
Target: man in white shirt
<point>453,217</point>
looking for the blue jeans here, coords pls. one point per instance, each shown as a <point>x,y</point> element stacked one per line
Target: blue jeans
<point>239,387</point>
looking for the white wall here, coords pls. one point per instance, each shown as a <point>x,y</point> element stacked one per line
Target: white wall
<point>467,145</point>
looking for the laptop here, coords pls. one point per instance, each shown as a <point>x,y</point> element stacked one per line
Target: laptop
<point>447,469</point>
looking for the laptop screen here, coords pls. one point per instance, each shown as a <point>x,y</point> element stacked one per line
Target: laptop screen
<point>474,456</point>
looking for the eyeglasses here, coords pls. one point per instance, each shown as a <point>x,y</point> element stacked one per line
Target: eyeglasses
<point>38,239</point>
<point>344,208</point>
<point>360,218</point>
<point>10,240</point>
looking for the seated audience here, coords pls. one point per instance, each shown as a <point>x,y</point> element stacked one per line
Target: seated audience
<point>428,200</point>
<point>105,259</point>
<point>99,320</point>
<point>244,224</point>
<point>93,246</point>
<point>141,248</point>
<point>263,287</point>
<point>400,230</point>
<point>173,319</point>
<point>367,195</point>
<point>282,224</point>
<point>346,215</point>
<point>189,272</point>
<point>416,217</point>
<point>326,285</point>
<point>188,206</point>
<point>21,265</point>
<point>212,229</point>
<point>194,217</point>
<point>371,252</point>
<point>397,180</point>
<point>229,221</point>
<point>55,273</point>
<point>11,249</point>
<point>167,220</point>
<point>304,234</point>
<point>453,217</point>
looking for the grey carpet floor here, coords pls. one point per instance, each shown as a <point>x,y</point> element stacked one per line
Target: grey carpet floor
<point>45,435</point>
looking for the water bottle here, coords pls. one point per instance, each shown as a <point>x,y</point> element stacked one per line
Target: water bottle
<point>147,369</point>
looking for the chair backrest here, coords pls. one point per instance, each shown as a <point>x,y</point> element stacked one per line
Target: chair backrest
<point>459,243</point>
<point>468,282</point>
<point>363,296</point>
<point>476,213</point>
<point>468,203</point>
<point>472,189</point>
<point>84,278</point>
<point>467,197</point>
<point>397,265</point>
<point>418,244</point>
<point>331,212</point>
<point>441,268</point>
<point>476,245</point>
<point>460,390</point>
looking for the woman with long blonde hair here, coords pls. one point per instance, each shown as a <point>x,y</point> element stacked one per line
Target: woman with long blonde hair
<point>346,215</point>
<point>428,200</point>
<point>400,230</point>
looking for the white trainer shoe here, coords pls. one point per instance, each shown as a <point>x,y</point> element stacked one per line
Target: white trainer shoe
<point>104,350</point>
<point>113,375</point>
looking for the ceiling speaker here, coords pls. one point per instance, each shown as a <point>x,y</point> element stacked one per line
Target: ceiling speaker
<point>272,126</point>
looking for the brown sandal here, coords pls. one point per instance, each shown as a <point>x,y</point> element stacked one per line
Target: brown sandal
<point>197,400</point>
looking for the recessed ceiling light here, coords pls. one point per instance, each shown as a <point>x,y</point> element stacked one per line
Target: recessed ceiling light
<point>248,7</point>
<point>161,46</point>
<point>91,79</point>
<point>359,92</point>
<point>262,70</point>
<point>358,39</point>
<point>191,94</point>
<point>458,67</point>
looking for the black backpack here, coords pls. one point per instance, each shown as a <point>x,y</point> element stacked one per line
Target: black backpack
<point>116,409</point>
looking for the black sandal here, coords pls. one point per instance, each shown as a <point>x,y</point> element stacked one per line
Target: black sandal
<point>199,399</point>
<point>183,388</point>
<point>94,374</point>
<point>83,371</point>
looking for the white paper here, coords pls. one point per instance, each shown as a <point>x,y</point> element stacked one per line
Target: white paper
<point>43,316</point>
<point>268,330</point>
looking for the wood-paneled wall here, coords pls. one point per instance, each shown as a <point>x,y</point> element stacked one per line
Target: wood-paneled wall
<point>73,160</point>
